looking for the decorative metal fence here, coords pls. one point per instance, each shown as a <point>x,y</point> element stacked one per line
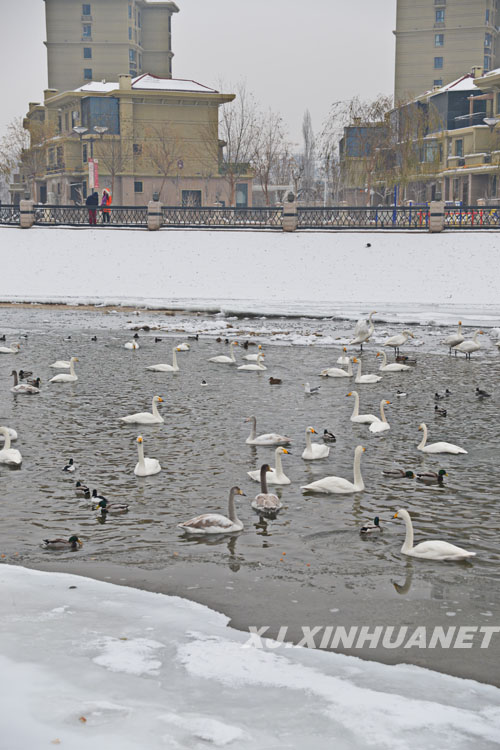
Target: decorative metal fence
<point>229,218</point>
<point>323,218</point>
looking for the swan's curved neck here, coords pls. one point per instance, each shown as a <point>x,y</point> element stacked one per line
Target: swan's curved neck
<point>382,412</point>
<point>232,353</point>
<point>371,325</point>
<point>140,450</point>
<point>349,367</point>
<point>459,330</point>
<point>475,337</point>
<point>384,358</point>
<point>408,542</point>
<point>16,381</point>
<point>263,480</point>
<point>5,433</point>
<point>358,479</point>
<point>355,411</point>
<point>71,367</point>
<point>358,371</point>
<point>232,509</point>
<point>424,438</point>
<point>308,440</point>
<point>253,429</point>
<point>154,409</point>
<point>279,466</point>
<point>174,359</point>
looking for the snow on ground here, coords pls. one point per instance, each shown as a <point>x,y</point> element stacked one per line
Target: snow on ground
<point>93,665</point>
<point>46,263</point>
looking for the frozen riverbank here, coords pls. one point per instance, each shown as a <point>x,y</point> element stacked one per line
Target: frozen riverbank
<point>95,665</point>
<point>320,273</point>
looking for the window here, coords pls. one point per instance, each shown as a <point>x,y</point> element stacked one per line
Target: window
<point>130,32</point>
<point>66,121</point>
<point>130,11</point>
<point>139,20</point>
<point>439,40</point>
<point>60,156</point>
<point>487,18</point>
<point>102,111</point>
<point>487,63</point>
<point>85,9</point>
<point>75,118</point>
<point>51,156</point>
<point>84,153</point>
<point>487,40</point>
<point>132,55</point>
<point>459,148</point>
<point>87,31</point>
<point>59,124</point>
<point>438,82</point>
<point>138,186</point>
<point>87,53</point>
<point>191,198</point>
<point>137,148</point>
<point>438,63</point>
<point>87,74</point>
<point>440,16</point>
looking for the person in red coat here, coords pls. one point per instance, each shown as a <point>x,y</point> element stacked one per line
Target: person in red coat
<point>105,206</point>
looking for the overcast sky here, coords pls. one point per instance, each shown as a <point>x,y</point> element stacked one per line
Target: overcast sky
<point>293,55</point>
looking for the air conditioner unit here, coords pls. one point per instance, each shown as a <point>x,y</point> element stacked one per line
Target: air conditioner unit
<point>487,158</point>
<point>461,162</point>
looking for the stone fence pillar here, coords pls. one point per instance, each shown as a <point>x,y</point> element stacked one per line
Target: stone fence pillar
<point>436,216</point>
<point>155,215</point>
<point>26,214</point>
<point>290,218</point>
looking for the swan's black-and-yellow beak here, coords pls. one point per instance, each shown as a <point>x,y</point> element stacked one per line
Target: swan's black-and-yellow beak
<point>285,451</point>
<point>348,394</point>
<point>395,515</point>
<point>387,402</point>
<point>139,440</point>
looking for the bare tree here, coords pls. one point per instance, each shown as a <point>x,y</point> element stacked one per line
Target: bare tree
<point>271,152</point>
<point>307,159</point>
<point>162,146</point>
<point>114,153</point>
<point>239,130</point>
<point>25,149</point>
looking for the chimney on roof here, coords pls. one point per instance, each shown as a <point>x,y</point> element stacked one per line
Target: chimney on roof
<point>49,93</point>
<point>125,82</point>
<point>477,71</point>
<point>357,121</point>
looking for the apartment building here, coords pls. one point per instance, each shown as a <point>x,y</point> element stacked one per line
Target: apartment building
<point>436,40</point>
<point>102,39</point>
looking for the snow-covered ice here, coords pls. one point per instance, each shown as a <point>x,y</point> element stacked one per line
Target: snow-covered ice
<point>96,665</point>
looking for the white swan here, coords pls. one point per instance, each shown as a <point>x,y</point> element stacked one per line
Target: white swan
<point>455,338</point>
<point>253,357</point>
<point>430,550</point>
<point>393,367</point>
<point>269,438</point>
<point>356,416</point>
<point>132,345</point>
<point>146,417</point>
<point>363,330</point>
<point>370,378</point>
<point>337,372</point>
<point>257,366</point>
<point>223,359</point>
<point>314,450</point>
<point>215,523</point>
<point>344,358</point>
<point>266,503</point>
<point>12,434</point>
<point>436,447</point>
<point>183,347</point>
<point>9,455</point>
<point>60,364</point>
<point>12,349</point>
<point>145,466</point>
<point>398,340</point>
<point>469,345</point>
<point>339,485</point>
<point>381,425</point>
<point>174,367</point>
<point>273,476</point>
<point>64,377</point>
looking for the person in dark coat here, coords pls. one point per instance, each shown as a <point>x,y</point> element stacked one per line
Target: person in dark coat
<point>92,202</point>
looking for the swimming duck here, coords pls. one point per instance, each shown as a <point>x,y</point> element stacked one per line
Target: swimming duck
<point>432,477</point>
<point>370,528</point>
<point>94,338</point>
<point>482,394</point>
<point>400,473</point>
<point>97,498</point>
<point>35,382</point>
<point>73,543</point>
<point>329,437</point>
<point>70,466</point>
<point>158,339</point>
<point>439,412</point>
<point>275,381</point>
<point>82,491</point>
<point>112,508</point>
<point>401,394</point>
<point>23,374</point>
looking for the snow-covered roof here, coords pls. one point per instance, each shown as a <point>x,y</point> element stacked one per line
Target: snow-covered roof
<point>465,83</point>
<point>149,82</point>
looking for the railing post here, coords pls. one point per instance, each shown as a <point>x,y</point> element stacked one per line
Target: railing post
<point>26,214</point>
<point>436,216</point>
<point>155,215</point>
<point>290,219</point>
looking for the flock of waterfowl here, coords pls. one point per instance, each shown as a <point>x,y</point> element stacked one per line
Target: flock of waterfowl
<point>265,503</point>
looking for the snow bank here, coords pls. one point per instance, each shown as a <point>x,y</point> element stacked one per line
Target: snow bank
<point>95,665</point>
<point>268,270</point>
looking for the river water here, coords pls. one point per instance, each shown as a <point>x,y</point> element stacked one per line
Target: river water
<point>310,566</point>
